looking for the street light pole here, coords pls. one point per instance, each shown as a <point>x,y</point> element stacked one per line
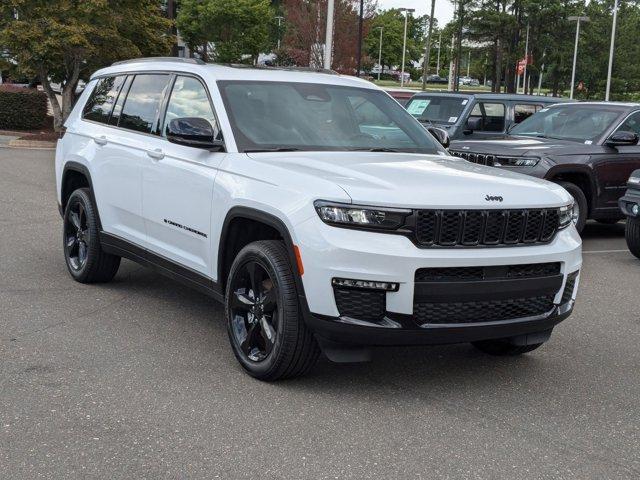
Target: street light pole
<point>359,49</point>
<point>575,49</point>
<point>404,43</point>
<point>380,53</point>
<point>439,44</point>
<point>427,53</point>
<point>613,41</point>
<point>526,62</point>
<point>328,43</point>
<point>279,18</point>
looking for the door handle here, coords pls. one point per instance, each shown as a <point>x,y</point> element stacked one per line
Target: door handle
<point>156,154</point>
<point>102,140</point>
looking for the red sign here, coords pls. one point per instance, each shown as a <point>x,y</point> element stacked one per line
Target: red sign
<point>523,62</point>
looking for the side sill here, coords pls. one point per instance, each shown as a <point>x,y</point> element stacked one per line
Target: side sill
<point>118,246</point>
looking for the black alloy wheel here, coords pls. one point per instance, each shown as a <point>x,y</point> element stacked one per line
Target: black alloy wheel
<point>86,261</point>
<point>254,310</point>
<point>76,236</point>
<point>266,327</point>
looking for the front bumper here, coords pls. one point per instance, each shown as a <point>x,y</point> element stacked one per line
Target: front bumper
<point>631,197</point>
<point>330,252</point>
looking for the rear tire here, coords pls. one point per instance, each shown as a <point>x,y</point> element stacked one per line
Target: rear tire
<point>632,234</point>
<point>86,261</point>
<point>264,320</point>
<point>503,348</point>
<point>581,204</point>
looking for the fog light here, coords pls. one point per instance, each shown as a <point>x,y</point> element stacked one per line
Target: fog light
<point>635,209</point>
<point>365,284</point>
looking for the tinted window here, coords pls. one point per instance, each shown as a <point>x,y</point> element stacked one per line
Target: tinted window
<point>100,103</point>
<point>140,111</point>
<point>189,99</point>
<point>577,122</point>
<point>524,111</point>
<point>631,124</point>
<point>492,116</point>
<point>437,109</point>
<point>305,116</point>
<point>117,109</point>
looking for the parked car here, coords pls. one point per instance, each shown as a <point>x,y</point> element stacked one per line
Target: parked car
<point>477,116</point>
<point>468,81</point>
<point>315,207</point>
<point>437,79</point>
<point>401,95</point>
<point>630,206</point>
<point>588,148</point>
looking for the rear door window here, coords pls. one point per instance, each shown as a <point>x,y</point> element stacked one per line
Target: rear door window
<point>491,114</point>
<point>142,106</point>
<point>100,104</point>
<point>523,111</point>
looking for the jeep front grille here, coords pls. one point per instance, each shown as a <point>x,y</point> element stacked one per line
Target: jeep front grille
<point>479,158</point>
<point>452,228</point>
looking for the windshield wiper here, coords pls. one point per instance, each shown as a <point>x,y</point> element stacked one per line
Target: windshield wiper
<point>280,149</point>
<point>375,149</point>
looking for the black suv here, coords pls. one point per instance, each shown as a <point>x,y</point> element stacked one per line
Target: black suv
<point>588,148</point>
<point>630,206</point>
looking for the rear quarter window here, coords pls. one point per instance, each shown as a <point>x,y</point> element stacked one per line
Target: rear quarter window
<point>100,104</point>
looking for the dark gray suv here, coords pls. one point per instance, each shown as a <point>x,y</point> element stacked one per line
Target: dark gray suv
<point>477,116</point>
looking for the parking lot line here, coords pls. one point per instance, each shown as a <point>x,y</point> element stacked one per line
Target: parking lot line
<point>606,251</point>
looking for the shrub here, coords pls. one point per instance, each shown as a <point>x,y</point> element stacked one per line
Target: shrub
<point>22,108</point>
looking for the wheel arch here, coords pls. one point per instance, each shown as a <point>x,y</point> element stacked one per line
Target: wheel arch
<point>267,227</point>
<point>76,175</point>
<point>581,176</point>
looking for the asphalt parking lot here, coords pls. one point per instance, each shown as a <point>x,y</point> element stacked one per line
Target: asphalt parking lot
<point>135,379</point>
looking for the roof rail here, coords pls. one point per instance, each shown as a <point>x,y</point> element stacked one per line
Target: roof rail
<point>195,61</point>
<point>288,69</point>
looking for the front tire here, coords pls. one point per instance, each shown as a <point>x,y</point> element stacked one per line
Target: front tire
<point>581,206</point>
<point>264,321</point>
<point>86,261</point>
<point>632,234</point>
<point>502,348</point>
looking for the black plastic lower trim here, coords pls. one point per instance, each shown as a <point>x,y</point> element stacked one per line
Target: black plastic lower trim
<point>118,246</point>
<point>342,332</point>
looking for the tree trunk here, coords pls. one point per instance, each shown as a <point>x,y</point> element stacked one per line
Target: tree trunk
<point>53,99</point>
<point>497,82</point>
<point>69,91</point>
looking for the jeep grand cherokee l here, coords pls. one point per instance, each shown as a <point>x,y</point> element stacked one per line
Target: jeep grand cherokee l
<point>319,211</point>
<point>588,148</point>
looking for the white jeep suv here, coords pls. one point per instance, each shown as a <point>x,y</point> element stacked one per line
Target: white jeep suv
<point>322,214</point>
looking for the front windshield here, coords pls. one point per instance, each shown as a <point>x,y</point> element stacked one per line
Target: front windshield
<point>437,109</point>
<point>580,123</point>
<point>271,116</point>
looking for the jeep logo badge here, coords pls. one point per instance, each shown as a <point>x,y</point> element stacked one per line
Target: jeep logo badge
<point>491,198</point>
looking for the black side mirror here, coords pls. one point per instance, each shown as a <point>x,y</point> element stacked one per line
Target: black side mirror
<point>441,135</point>
<point>473,124</point>
<point>620,139</point>
<point>193,132</point>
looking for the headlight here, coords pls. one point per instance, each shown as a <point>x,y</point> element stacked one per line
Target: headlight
<point>356,216</point>
<point>516,161</point>
<point>566,216</point>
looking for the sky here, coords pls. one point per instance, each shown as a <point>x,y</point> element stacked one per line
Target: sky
<point>444,8</point>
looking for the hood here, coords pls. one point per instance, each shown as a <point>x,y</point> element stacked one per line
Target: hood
<point>517,146</point>
<point>417,181</point>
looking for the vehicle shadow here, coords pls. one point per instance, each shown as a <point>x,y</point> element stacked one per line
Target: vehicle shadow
<point>444,368</point>
<point>600,231</point>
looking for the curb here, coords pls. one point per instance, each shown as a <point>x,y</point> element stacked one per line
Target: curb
<point>32,144</point>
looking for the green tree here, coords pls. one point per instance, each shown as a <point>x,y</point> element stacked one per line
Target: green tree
<point>64,40</point>
<point>235,28</point>
<point>392,22</point>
